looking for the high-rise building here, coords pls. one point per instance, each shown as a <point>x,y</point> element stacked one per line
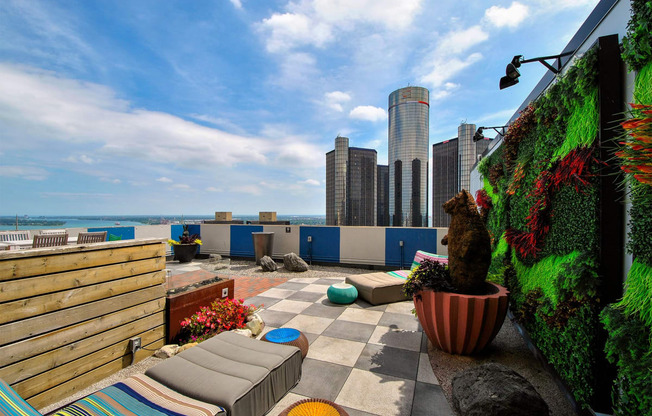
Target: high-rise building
<point>350,185</point>
<point>408,156</point>
<point>382,196</point>
<point>452,161</point>
<point>445,182</point>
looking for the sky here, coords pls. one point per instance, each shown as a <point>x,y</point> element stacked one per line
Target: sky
<point>192,107</point>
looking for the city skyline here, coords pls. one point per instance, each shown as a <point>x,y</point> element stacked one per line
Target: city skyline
<point>133,108</point>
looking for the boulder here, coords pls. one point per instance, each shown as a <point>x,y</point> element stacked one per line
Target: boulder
<point>214,258</point>
<point>294,263</point>
<point>215,262</point>
<point>494,389</point>
<point>268,264</point>
<point>255,324</point>
<point>167,351</point>
<point>243,332</point>
<point>186,346</point>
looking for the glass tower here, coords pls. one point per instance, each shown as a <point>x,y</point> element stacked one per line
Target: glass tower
<point>445,179</point>
<point>409,110</point>
<point>350,185</point>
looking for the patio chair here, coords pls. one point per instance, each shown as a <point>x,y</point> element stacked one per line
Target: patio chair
<point>7,236</point>
<point>91,237</point>
<point>50,240</point>
<point>51,232</point>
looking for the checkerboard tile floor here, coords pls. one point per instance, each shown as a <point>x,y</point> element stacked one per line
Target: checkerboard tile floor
<point>372,360</point>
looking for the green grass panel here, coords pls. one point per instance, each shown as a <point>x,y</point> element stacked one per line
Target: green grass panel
<point>582,126</point>
<point>640,223</point>
<point>571,350</point>
<point>628,347</point>
<point>573,222</point>
<point>638,293</point>
<point>545,274</point>
<point>643,85</point>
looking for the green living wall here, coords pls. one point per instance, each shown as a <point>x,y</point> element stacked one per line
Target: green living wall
<point>542,199</point>
<point>629,322</point>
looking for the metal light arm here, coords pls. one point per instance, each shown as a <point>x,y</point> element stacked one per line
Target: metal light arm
<point>546,64</point>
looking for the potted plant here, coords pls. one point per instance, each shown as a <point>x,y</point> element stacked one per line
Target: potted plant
<point>459,311</point>
<point>186,248</point>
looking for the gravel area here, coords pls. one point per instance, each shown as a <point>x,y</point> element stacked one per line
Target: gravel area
<point>247,268</point>
<point>509,349</point>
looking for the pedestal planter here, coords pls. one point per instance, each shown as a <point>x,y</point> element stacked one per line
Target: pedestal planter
<point>461,324</point>
<point>184,253</point>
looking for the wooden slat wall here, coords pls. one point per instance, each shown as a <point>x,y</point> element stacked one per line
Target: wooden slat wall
<point>67,314</point>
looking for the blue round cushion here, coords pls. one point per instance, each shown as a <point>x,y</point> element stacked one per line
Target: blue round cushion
<point>282,335</point>
<point>342,293</point>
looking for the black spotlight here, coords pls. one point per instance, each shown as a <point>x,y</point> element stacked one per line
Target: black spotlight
<point>478,135</point>
<point>512,74</point>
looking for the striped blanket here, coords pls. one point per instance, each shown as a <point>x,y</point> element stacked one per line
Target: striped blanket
<point>139,395</point>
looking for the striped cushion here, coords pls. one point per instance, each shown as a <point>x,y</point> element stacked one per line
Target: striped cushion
<point>401,274</point>
<point>11,404</point>
<point>422,255</point>
<point>137,396</point>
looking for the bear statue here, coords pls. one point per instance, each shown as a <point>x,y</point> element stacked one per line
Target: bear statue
<point>469,245</point>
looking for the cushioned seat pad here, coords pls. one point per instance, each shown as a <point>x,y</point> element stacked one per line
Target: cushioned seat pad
<point>245,376</point>
<point>378,288</point>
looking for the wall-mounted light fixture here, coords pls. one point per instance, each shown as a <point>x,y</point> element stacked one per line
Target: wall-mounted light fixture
<point>479,136</point>
<point>512,74</point>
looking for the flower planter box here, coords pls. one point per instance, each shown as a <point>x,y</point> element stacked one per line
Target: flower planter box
<point>179,306</point>
<point>461,324</point>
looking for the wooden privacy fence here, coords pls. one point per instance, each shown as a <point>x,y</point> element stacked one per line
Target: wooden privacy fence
<point>67,314</point>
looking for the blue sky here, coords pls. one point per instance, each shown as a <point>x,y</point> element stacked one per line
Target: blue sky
<point>192,107</point>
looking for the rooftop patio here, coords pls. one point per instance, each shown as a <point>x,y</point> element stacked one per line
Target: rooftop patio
<point>372,360</point>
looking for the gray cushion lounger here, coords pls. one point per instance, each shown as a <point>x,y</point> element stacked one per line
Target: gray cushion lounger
<point>245,376</point>
<point>378,288</point>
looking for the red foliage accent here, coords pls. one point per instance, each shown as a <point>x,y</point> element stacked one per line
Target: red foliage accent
<point>573,169</point>
<point>636,153</point>
<point>482,200</point>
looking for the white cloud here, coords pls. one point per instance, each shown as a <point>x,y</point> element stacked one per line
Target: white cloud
<point>368,113</point>
<point>30,173</point>
<point>181,186</point>
<point>457,42</point>
<point>446,61</point>
<point>443,70</point>
<point>164,180</point>
<point>511,16</point>
<point>389,13</point>
<point>290,30</point>
<point>318,22</point>
<point>39,108</point>
<point>311,182</point>
<point>236,3</point>
<point>247,189</point>
<point>109,180</point>
<point>335,99</point>
<point>212,189</point>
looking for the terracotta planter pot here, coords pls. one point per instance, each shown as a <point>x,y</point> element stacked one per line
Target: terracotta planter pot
<point>185,252</point>
<point>461,324</point>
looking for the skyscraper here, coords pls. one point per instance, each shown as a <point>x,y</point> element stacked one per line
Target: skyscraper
<point>452,161</point>
<point>382,196</point>
<point>445,182</point>
<point>350,185</point>
<point>408,156</point>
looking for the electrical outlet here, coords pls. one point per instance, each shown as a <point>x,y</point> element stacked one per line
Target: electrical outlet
<point>225,292</point>
<point>134,344</point>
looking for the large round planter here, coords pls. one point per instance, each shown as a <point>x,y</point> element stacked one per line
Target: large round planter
<point>461,324</point>
<point>184,253</point>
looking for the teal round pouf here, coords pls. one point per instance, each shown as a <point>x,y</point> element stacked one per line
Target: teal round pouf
<point>342,293</point>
